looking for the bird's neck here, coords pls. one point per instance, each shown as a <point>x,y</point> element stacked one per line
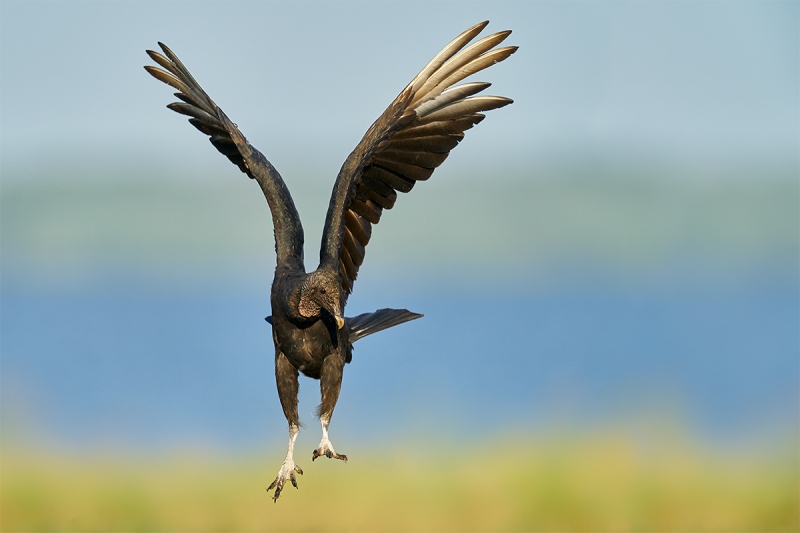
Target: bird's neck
<point>286,293</point>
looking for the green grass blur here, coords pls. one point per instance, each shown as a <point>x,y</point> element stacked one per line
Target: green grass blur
<point>589,481</point>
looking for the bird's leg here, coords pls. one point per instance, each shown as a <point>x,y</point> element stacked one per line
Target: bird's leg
<point>286,378</point>
<point>330,384</point>
<point>288,468</point>
<point>325,447</point>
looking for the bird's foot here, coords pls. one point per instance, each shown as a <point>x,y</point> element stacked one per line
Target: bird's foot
<point>325,448</point>
<point>287,471</point>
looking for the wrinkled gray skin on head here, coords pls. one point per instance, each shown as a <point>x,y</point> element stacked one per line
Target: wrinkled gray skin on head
<point>321,290</point>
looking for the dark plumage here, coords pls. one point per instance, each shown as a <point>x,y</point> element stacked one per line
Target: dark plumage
<point>413,136</point>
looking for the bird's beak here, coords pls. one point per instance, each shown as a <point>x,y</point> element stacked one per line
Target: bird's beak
<point>331,305</point>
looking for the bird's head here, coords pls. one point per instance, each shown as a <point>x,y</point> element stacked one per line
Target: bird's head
<point>321,290</point>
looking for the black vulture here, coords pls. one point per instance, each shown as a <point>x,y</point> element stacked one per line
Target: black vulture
<point>410,139</point>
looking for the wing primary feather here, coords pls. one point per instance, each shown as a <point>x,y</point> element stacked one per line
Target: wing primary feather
<point>194,111</point>
<point>450,95</point>
<point>205,127</point>
<point>167,78</point>
<point>467,107</point>
<point>458,61</point>
<point>440,144</point>
<point>187,99</point>
<point>180,66</point>
<point>448,127</point>
<point>476,65</point>
<point>163,61</point>
<point>421,159</point>
<point>447,52</point>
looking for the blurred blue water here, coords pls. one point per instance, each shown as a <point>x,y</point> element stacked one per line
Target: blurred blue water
<point>147,368</point>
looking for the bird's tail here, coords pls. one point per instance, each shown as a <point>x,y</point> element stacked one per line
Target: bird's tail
<point>369,323</point>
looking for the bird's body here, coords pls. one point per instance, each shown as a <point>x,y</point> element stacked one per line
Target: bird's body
<point>304,341</point>
<point>412,137</point>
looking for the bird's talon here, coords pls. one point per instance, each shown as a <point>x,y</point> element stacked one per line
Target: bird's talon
<point>327,450</point>
<point>287,471</point>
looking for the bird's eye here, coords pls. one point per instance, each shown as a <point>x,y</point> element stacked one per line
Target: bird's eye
<point>322,290</point>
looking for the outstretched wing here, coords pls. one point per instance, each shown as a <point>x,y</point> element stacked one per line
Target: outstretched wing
<point>207,117</point>
<point>413,136</point>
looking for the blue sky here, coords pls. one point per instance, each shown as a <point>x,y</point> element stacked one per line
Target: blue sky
<point>698,84</point>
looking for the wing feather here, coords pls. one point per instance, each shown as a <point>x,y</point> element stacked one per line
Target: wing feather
<point>447,52</point>
<point>474,65</point>
<point>426,160</point>
<point>406,144</point>
<point>451,95</point>
<point>387,177</point>
<point>451,127</point>
<point>467,106</point>
<point>440,144</point>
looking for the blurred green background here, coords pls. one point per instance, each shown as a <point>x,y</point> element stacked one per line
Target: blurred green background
<point>608,269</point>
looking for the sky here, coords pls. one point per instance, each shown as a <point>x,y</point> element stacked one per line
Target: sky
<point>698,85</point>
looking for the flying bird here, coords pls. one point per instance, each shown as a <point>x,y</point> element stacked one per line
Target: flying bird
<point>408,141</point>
